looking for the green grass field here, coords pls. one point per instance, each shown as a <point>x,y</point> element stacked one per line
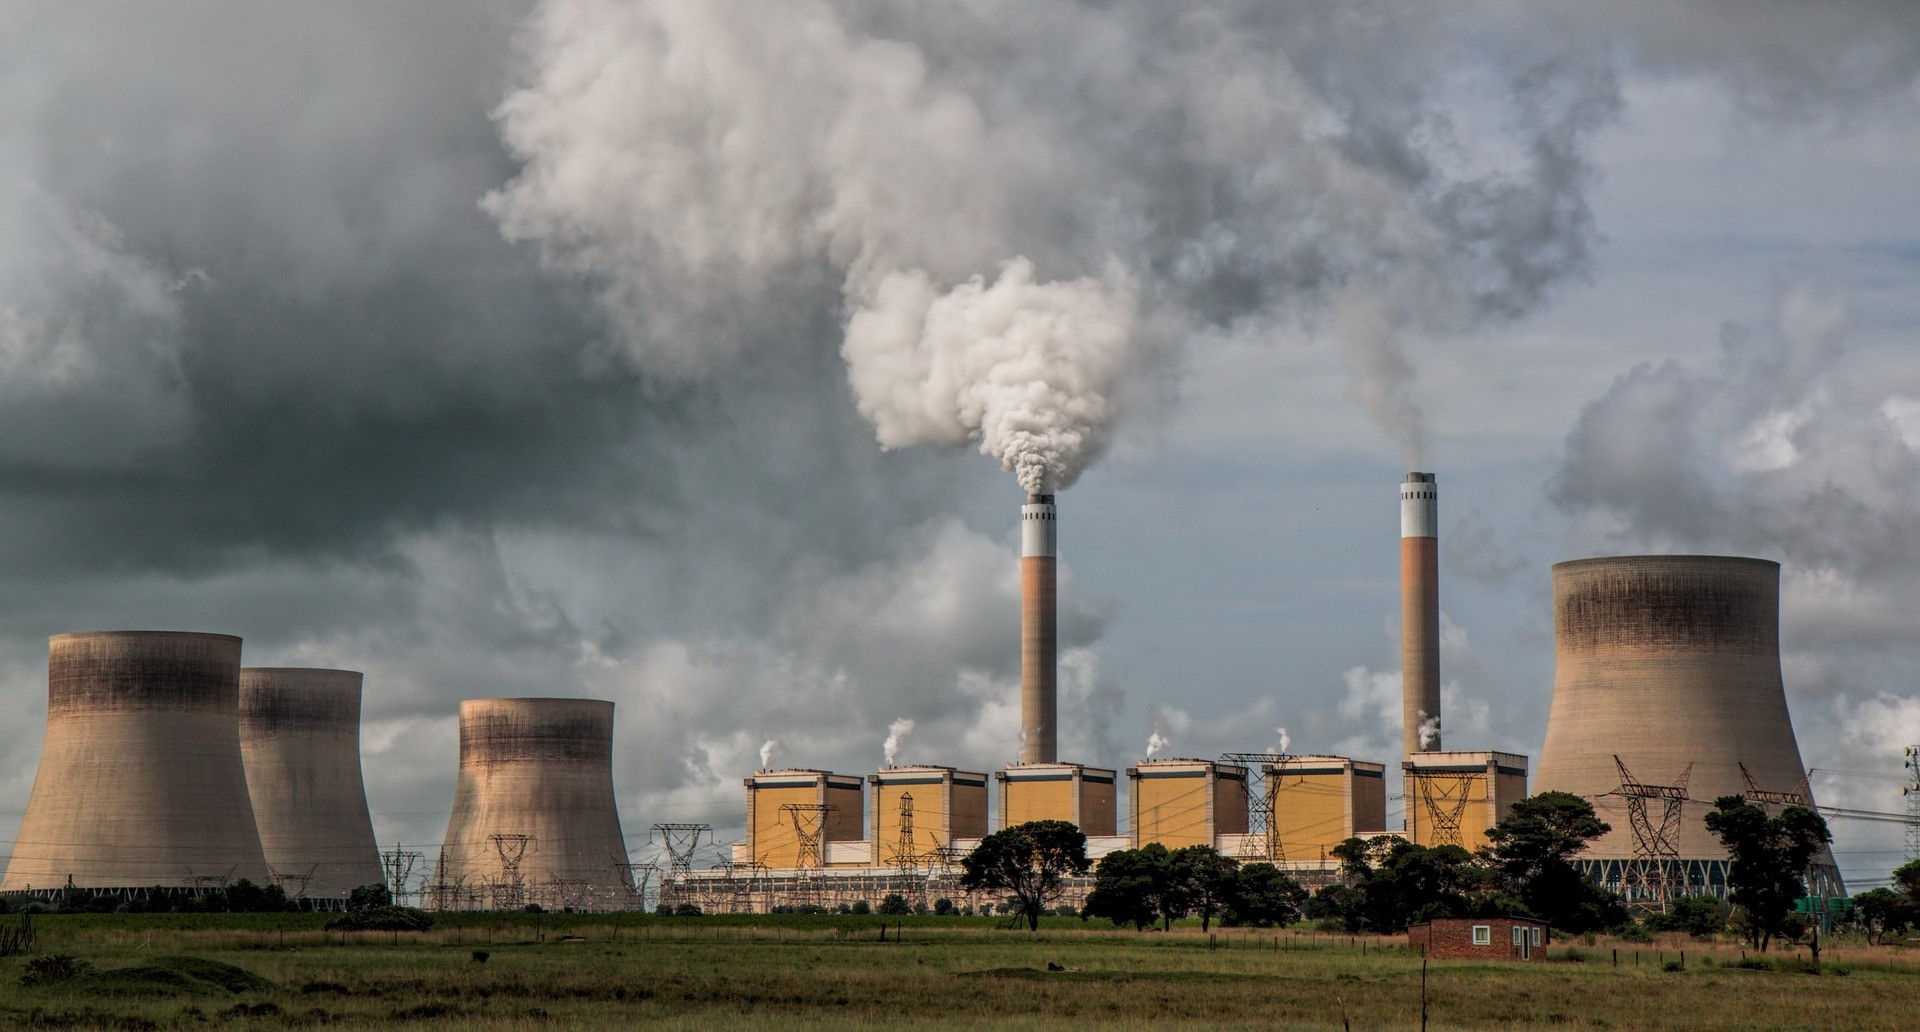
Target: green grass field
<point>270,971</point>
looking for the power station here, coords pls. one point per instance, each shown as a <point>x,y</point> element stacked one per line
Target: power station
<point>167,765</point>
<point>300,742</point>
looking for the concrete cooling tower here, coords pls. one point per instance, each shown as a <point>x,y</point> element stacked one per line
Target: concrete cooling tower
<point>534,819</point>
<point>300,738</point>
<point>1671,664</point>
<point>141,781</point>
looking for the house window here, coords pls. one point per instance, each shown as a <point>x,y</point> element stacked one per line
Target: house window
<point>1519,935</point>
<point>1483,935</point>
<point>1536,936</point>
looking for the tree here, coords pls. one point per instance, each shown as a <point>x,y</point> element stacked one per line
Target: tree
<point>1907,876</point>
<point>1264,898</point>
<point>1344,906</point>
<point>895,905</point>
<point>1882,911</point>
<point>1769,860</point>
<point>1702,917</point>
<point>1207,879</point>
<point>1028,861</point>
<point>1531,853</point>
<point>1136,887</point>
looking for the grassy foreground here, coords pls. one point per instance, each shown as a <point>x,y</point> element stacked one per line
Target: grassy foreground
<point>171,971</point>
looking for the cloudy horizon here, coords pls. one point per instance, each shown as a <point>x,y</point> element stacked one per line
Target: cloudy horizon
<point>683,355</point>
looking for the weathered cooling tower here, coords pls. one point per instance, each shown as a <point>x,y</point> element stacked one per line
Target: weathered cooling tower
<point>1420,613</point>
<point>1672,664</point>
<point>140,782</point>
<point>534,819</point>
<point>300,738</point>
<point>1039,637</point>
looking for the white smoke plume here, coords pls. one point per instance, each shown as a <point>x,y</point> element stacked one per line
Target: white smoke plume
<point>1286,740</point>
<point>897,733</point>
<point>1429,729</point>
<point>1011,243</point>
<point>768,750</point>
<point>1155,743</point>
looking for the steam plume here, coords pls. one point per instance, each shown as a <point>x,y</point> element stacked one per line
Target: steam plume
<point>1285,739</point>
<point>1155,743</point>
<point>897,733</point>
<point>1429,730</point>
<point>768,750</point>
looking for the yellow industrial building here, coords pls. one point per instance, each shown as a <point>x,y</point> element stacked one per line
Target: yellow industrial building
<point>1183,802</point>
<point>1454,797</point>
<point>1070,792</point>
<point>919,811</point>
<point>795,816</point>
<point>1319,802</point>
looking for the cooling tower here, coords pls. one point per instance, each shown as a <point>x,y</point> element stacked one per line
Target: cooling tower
<point>140,782</point>
<point>1420,613</point>
<point>300,738</point>
<point>1039,640</point>
<point>1668,662</point>
<point>534,819</point>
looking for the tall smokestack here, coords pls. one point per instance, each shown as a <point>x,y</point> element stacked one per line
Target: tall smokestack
<point>1420,613</point>
<point>1039,638</point>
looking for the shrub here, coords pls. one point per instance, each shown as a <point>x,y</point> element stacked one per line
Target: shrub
<point>382,919</point>
<point>480,956</point>
<point>53,968</point>
<point>687,910</point>
<point>861,906</point>
<point>1633,932</point>
<point>895,905</point>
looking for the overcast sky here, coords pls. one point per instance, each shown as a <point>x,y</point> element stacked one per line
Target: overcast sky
<point>685,353</point>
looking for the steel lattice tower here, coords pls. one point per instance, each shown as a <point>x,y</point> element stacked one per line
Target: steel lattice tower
<point>680,841</point>
<point>1260,822</point>
<point>1444,809</point>
<point>1656,852</point>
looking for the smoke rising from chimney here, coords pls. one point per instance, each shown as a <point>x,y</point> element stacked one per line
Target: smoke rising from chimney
<point>897,733</point>
<point>1286,740</point>
<point>1155,743</point>
<point>1429,730</point>
<point>768,750</point>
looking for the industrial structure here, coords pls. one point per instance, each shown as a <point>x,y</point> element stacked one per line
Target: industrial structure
<point>534,818</point>
<point>1039,633</point>
<point>1667,687</point>
<point>1184,802</point>
<point>140,782</point>
<point>920,812</point>
<point>1419,614</point>
<point>1318,802</point>
<point>796,818</point>
<point>1454,797</point>
<point>1083,796</point>
<point>300,740</point>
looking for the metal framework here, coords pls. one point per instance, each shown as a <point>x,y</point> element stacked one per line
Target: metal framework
<point>510,891</point>
<point>680,841</point>
<point>1444,809</point>
<point>1260,822</point>
<point>397,865</point>
<point>1912,791</point>
<point>904,855</point>
<point>1648,880</point>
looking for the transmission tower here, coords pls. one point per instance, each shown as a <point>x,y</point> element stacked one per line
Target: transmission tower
<point>1768,799</point>
<point>1912,791</point>
<point>397,864</point>
<point>809,824</point>
<point>1648,876</point>
<point>680,841</point>
<point>440,895</point>
<point>294,885</point>
<point>510,892</point>
<point>1261,826</point>
<point>1443,799</point>
<point>635,877</point>
<point>903,851</point>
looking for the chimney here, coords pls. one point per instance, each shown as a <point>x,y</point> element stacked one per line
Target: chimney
<point>1420,613</point>
<point>1039,641</point>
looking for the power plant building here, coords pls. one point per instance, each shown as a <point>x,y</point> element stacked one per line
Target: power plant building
<point>1184,802</point>
<point>920,811</point>
<point>141,782</point>
<point>534,818</point>
<point>300,740</point>
<point>1080,795</point>
<point>797,818</point>
<point>1318,802</point>
<point>1667,694</point>
<point>1454,797</point>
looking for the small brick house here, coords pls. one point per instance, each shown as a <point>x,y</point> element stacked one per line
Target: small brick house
<point>1480,938</point>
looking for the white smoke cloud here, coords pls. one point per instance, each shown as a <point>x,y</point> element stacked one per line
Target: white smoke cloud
<point>897,733</point>
<point>1429,730</point>
<point>1286,740</point>
<point>1156,742</point>
<point>768,750</point>
<point>1012,241</point>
